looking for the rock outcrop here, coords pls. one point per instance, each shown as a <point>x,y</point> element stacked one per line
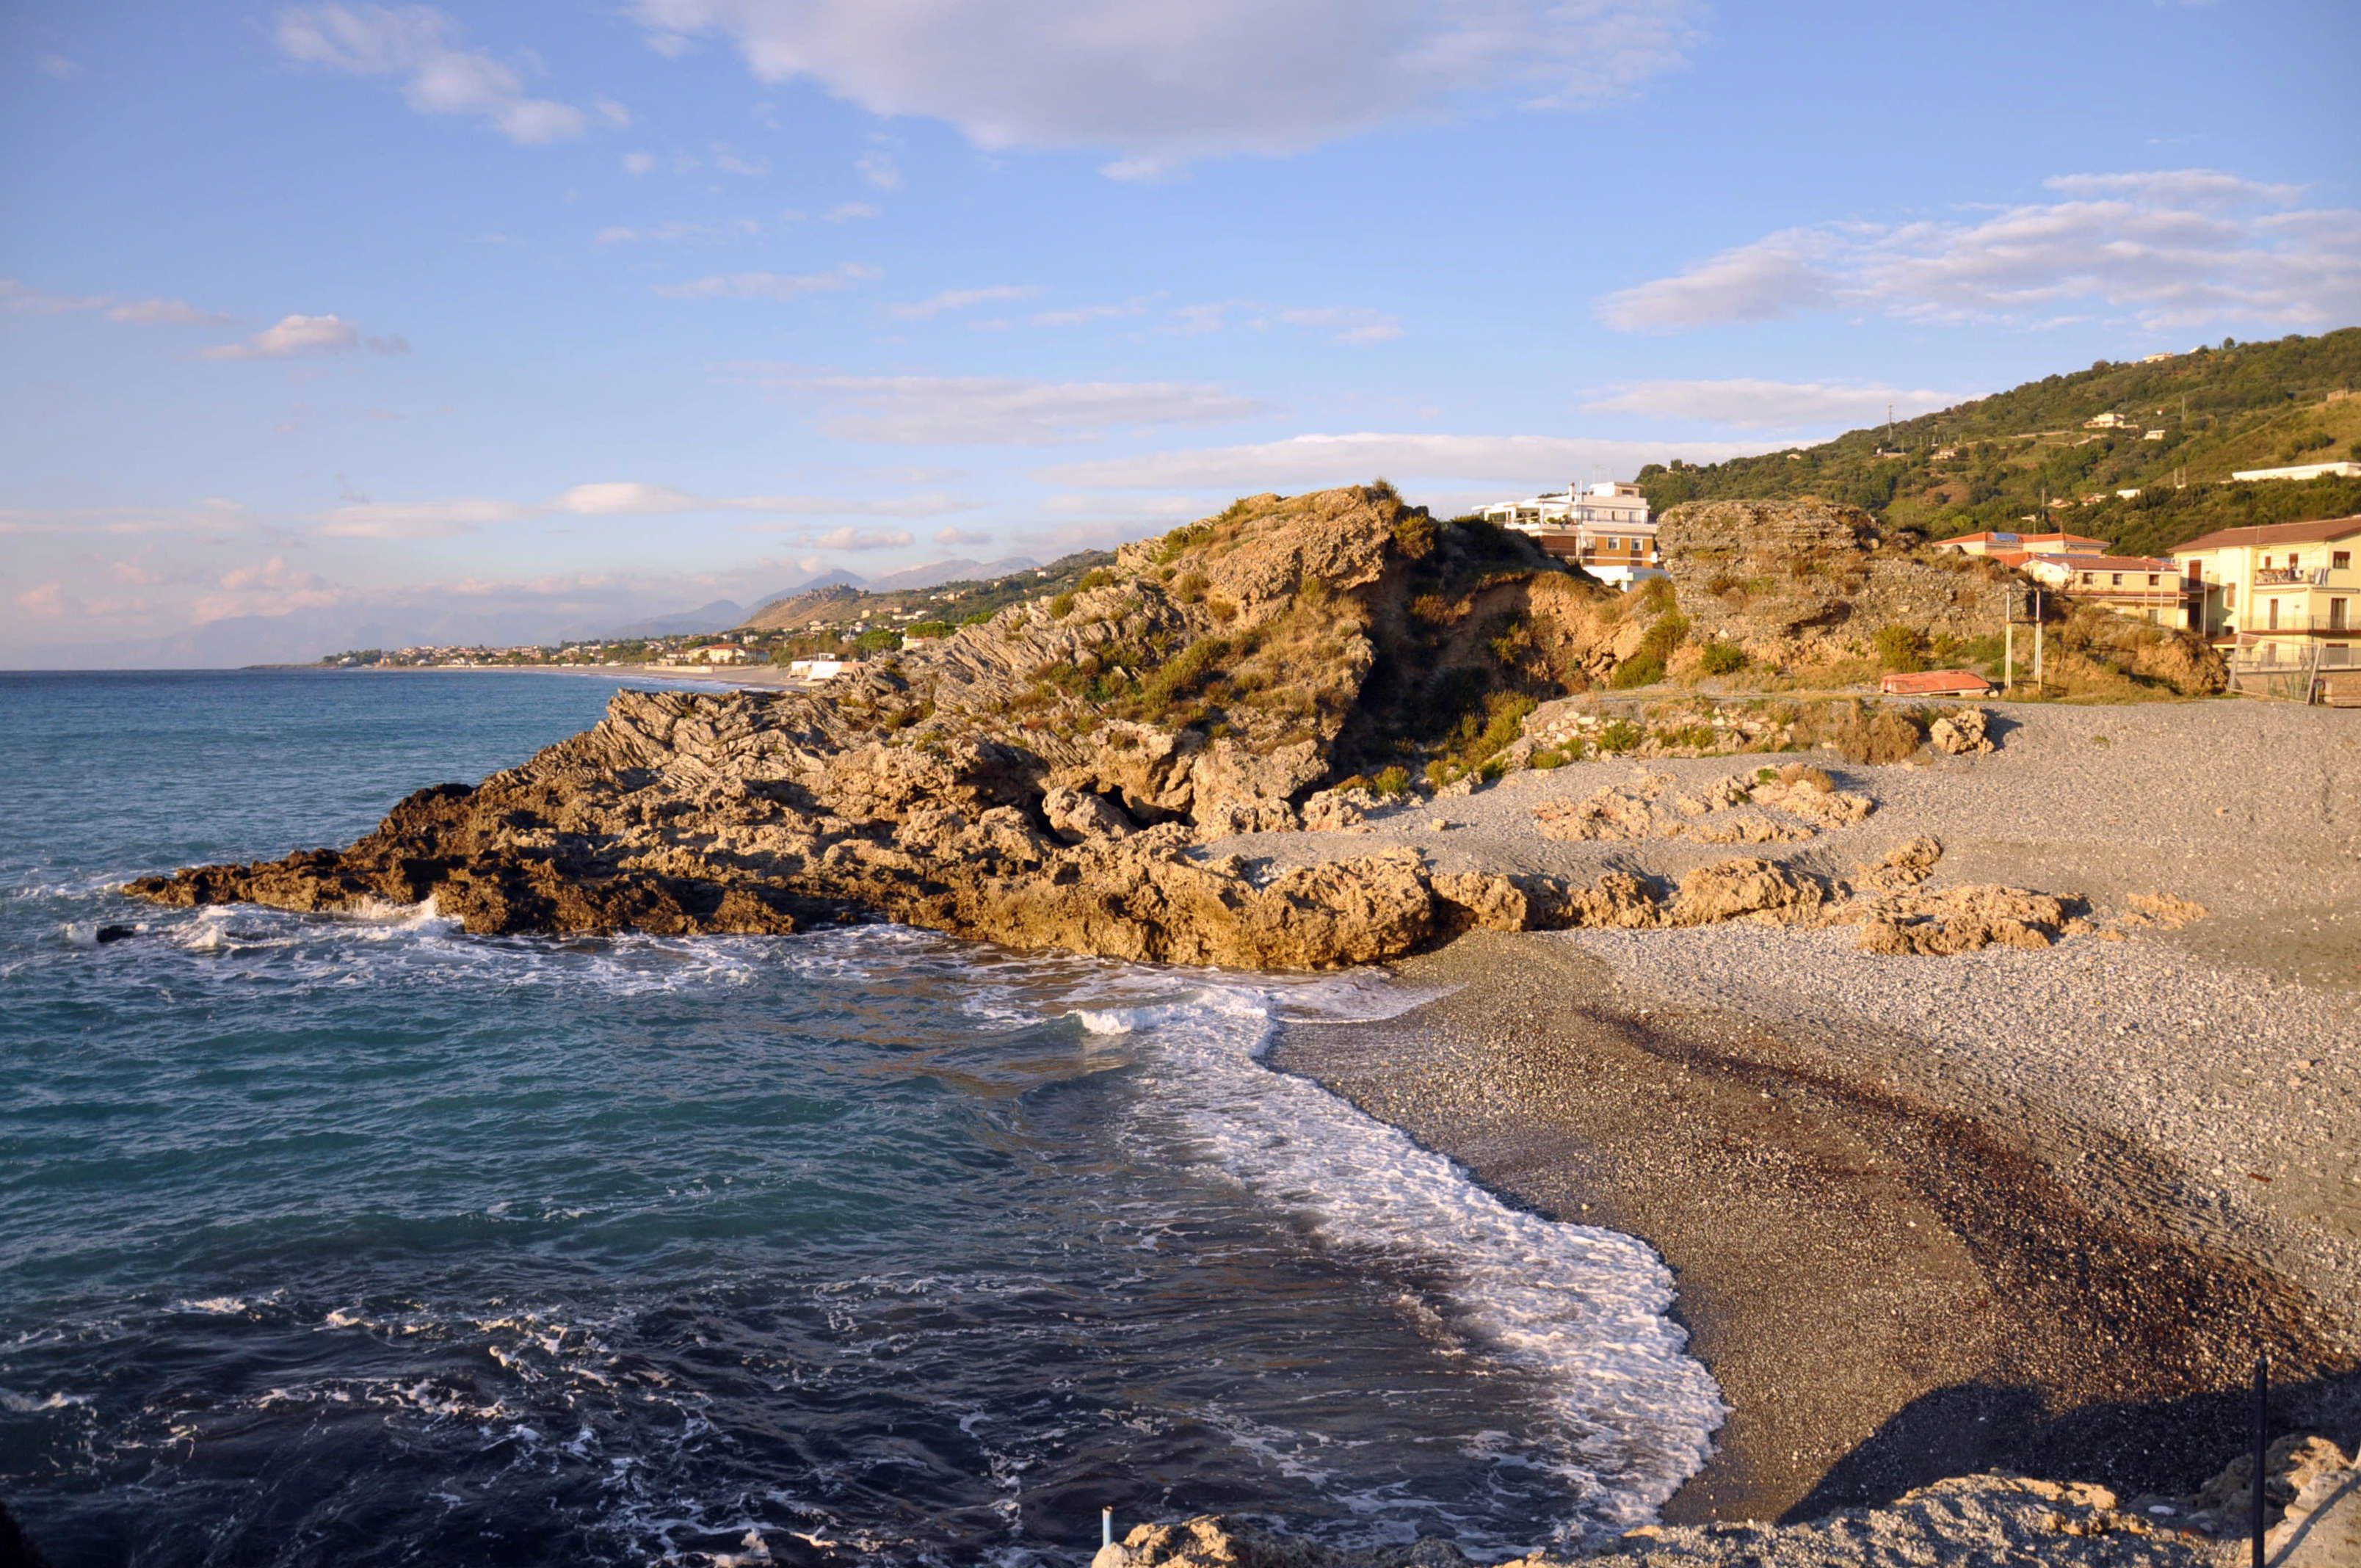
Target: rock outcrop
<point>1795,579</point>
<point>1052,778</point>
<point>1044,779</point>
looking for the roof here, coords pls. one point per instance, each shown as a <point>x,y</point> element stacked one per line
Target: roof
<point>2274,534</point>
<point>2114,563</point>
<point>1934,683</point>
<point>2061,538</point>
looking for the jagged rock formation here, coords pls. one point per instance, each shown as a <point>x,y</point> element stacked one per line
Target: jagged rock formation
<point>1788,579</point>
<point>1042,779</point>
<point>1049,779</point>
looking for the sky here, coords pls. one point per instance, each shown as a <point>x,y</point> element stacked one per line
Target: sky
<point>334,325</point>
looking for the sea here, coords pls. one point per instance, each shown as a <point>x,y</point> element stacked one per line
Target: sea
<point>358,1240</point>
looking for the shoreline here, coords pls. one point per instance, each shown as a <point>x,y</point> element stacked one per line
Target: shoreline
<point>1891,1287</point>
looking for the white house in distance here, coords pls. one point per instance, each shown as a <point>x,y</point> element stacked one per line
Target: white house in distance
<point>2303,471</point>
<point>818,670</point>
<point>1604,529</point>
<point>2024,544</point>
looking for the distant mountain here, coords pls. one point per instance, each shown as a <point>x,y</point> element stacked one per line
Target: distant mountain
<point>718,616</point>
<point>838,578</point>
<point>2141,454</point>
<point>931,574</point>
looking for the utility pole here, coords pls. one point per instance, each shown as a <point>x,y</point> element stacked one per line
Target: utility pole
<point>2008,640</point>
<point>2036,642</point>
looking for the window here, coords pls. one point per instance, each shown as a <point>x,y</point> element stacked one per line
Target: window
<point>2114,579</point>
<point>2336,615</point>
<point>2152,579</point>
<point>2229,596</point>
<point>2341,561</point>
<point>2275,615</point>
<point>2086,576</point>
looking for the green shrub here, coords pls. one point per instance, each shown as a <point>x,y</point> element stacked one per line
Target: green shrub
<point>1722,658</point>
<point>1639,670</point>
<point>1391,780</point>
<point>1619,736</point>
<point>1901,648</point>
<point>882,641</point>
<point>928,629</point>
<point>1096,577</point>
<point>1415,535</point>
<point>1062,607</point>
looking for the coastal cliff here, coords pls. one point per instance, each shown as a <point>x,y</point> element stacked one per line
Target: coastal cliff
<point>1051,778</point>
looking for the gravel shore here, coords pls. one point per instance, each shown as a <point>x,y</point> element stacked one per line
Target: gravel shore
<point>2033,1208</point>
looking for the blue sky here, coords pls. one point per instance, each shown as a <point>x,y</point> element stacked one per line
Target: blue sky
<point>330,324</point>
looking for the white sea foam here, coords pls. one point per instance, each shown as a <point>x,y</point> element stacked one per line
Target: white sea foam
<point>1632,1414</point>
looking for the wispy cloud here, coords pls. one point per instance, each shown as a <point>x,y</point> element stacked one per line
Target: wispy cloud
<point>1160,86</point>
<point>1314,460</point>
<point>1006,412</point>
<point>608,498</point>
<point>416,43</point>
<point>300,335</point>
<point>22,300</point>
<point>1769,405</point>
<point>768,285</point>
<point>959,299</point>
<point>2168,248</point>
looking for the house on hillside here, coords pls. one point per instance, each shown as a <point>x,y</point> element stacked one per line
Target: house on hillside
<point>2024,544</point>
<point>2281,589</point>
<point>2303,471</point>
<point>2144,587</point>
<point>1606,529</point>
<point>717,653</point>
<point>2106,422</point>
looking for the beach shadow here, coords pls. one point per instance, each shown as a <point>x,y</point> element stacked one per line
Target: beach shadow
<point>2166,1446</point>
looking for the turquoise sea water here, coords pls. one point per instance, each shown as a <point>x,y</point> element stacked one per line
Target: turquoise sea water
<point>362,1241</point>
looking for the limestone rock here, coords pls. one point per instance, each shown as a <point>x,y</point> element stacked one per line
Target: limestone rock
<point>1075,816</point>
<point>1745,890</point>
<point>1962,733</point>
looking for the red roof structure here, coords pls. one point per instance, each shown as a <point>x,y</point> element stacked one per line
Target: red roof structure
<point>1936,682</point>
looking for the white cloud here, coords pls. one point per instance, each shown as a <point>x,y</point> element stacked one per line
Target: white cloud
<point>56,68</point>
<point>680,233</point>
<point>1775,275</point>
<point>625,498</point>
<point>417,519</point>
<point>959,299</point>
<point>768,285</point>
<point>849,538</point>
<point>24,301</point>
<point>614,113</point>
<point>2173,249</point>
<point>163,312</point>
<point>1306,461</point>
<point>608,498</point>
<point>48,599</point>
<point>1770,405</point>
<point>955,534</point>
<point>727,159</point>
<point>1351,325</point>
<point>1082,315</point>
<point>849,212</point>
<point>638,162</point>
<point>878,169</point>
<point>1160,85</point>
<point>297,334</point>
<point>995,411</point>
<point>269,588</point>
<point>415,43</point>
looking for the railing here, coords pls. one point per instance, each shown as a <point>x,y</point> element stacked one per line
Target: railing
<point>2291,578</point>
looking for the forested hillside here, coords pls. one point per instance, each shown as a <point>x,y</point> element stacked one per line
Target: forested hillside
<point>2189,421</point>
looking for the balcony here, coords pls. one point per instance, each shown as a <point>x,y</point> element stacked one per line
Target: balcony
<point>2291,578</point>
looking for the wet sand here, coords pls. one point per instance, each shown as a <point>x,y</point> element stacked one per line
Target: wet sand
<point>1891,1287</point>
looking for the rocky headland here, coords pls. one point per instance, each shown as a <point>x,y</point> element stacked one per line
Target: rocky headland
<point>1051,778</point>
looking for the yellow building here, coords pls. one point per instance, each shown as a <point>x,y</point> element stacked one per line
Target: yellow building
<point>2282,590</point>
<point>2144,587</point>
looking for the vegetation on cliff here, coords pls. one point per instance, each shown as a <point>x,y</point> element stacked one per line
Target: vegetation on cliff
<point>1991,462</point>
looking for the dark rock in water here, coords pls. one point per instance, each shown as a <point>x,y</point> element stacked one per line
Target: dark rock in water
<point>17,1548</point>
<point>116,934</point>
